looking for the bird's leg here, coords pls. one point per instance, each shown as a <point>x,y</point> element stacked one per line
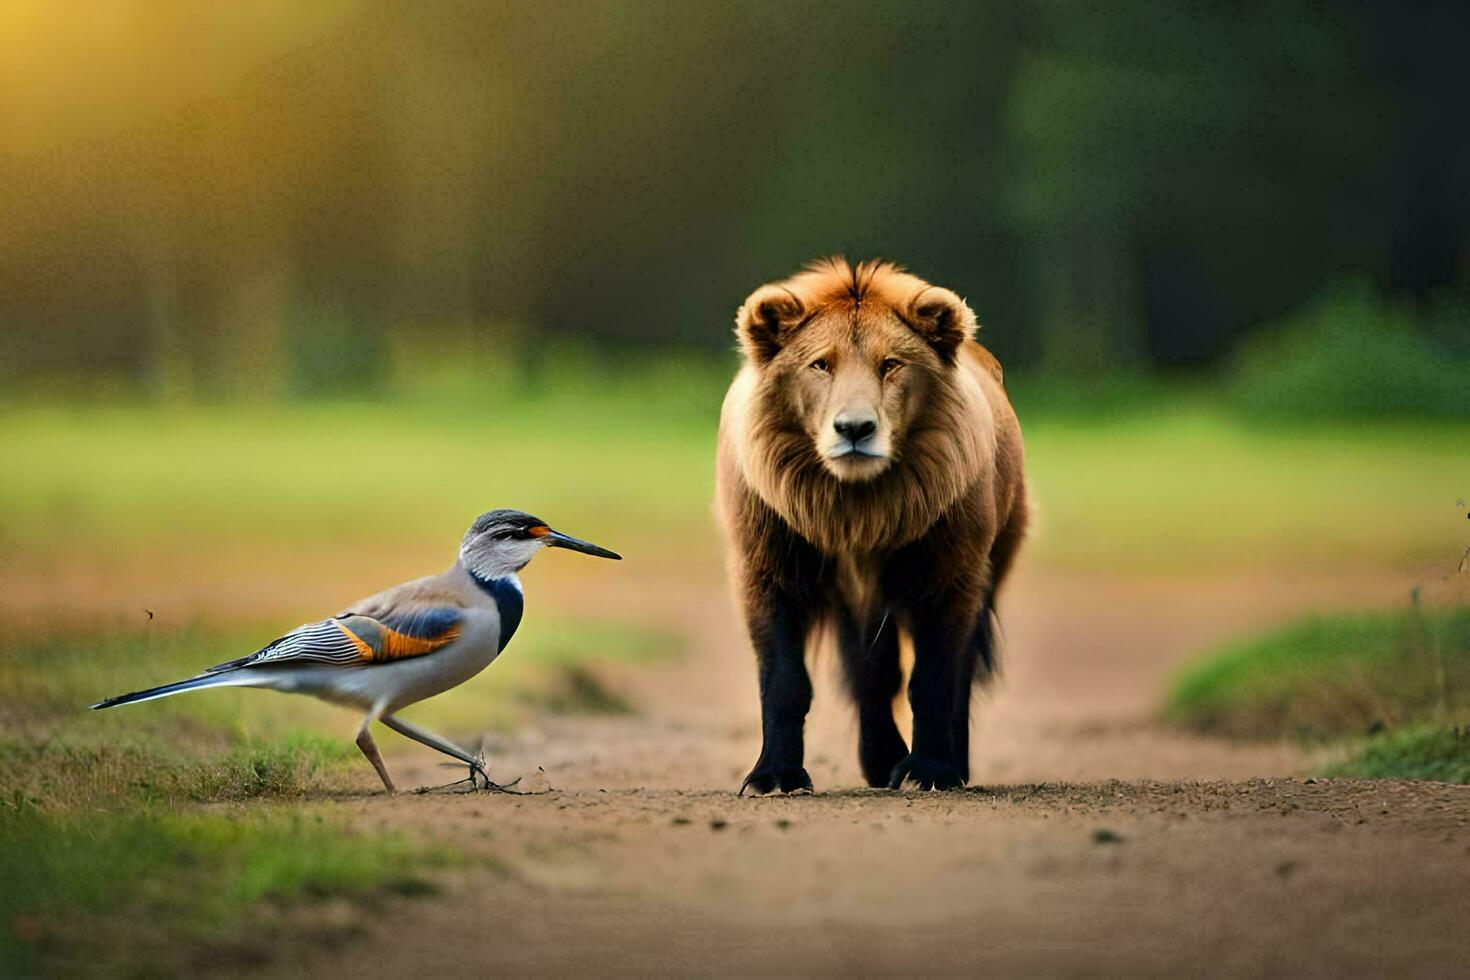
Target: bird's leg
<point>478,766</point>
<point>433,741</point>
<point>370,749</point>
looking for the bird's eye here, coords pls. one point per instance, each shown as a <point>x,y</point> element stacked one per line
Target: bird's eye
<point>820,364</point>
<point>889,366</point>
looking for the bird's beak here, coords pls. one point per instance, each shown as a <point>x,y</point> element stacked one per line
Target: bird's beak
<point>555,539</point>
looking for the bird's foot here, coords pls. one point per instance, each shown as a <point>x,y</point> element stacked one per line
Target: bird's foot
<point>478,771</point>
<point>466,785</point>
<point>479,781</point>
<point>491,786</point>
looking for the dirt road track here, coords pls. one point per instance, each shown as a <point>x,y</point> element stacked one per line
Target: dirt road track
<point>1144,852</point>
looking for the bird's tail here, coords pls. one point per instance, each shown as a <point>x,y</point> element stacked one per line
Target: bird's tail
<point>208,679</point>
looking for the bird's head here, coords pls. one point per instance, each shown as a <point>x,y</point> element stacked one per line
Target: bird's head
<point>501,542</point>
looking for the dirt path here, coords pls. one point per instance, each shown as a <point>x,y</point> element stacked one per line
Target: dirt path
<point>1145,852</point>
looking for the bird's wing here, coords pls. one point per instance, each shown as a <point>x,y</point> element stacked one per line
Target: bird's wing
<point>354,639</point>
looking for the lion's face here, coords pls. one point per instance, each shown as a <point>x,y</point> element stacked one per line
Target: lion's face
<point>855,387</point>
<point>858,416</point>
<point>848,360</point>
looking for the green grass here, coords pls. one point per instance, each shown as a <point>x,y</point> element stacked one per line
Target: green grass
<point>74,771</point>
<point>120,837</point>
<point>1439,754</point>
<point>1332,675</point>
<point>1397,679</point>
<point>118,891</point>
<point>126,854</point>
<point>1192,488</point>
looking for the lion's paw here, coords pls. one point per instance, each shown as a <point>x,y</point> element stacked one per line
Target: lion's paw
<point>925,772</point>
<point>765,779</point>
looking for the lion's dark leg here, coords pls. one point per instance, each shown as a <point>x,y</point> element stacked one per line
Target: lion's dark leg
<point>778,628</point>
<point>981,662</point>
<point>976,665</point>
<point>942,629</point>
<point>870,660</point>
<point>779,576</point>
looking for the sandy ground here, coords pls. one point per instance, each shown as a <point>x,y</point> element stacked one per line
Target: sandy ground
<point>1093,842</point>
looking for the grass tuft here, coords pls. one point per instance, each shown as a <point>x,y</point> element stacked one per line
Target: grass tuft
<point>289,767</point>
<point>1439,754</point>
<point>1389,685</point>
<point>70,769</point>
<point>1331,676</point>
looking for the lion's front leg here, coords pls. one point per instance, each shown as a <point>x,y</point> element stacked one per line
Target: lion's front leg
<point>778,628</point>
<point>870,657</point>
<point>942,633</point>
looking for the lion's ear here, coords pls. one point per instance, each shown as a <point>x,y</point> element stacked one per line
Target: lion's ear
<point>943,319</point>
<point>766,321</point>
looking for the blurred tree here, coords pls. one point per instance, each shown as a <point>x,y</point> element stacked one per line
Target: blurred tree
<point>223,200</point>
<point>1177,169</point>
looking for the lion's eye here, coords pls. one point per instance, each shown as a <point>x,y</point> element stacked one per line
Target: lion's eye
<point>820,364</point>
<point>889,366</point>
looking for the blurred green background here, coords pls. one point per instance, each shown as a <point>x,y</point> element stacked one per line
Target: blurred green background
<point>290,292</point>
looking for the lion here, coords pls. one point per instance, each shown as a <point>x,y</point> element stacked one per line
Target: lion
<point>869,481</point>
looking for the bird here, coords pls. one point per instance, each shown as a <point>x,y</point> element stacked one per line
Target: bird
<point>404,644</point>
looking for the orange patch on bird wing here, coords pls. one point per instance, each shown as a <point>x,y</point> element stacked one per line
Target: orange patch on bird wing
<point>363,649</point>
<point>398,645</point>
<point>539,531</point>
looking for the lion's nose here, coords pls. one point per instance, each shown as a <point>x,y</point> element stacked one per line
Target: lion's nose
<point>854,427</point>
